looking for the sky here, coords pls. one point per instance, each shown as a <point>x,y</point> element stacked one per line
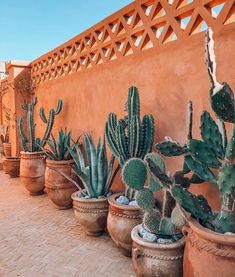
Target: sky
<point>30,28</point>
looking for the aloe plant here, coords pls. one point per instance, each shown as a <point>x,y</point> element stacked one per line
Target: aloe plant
<point>58,149</point>
<point>4,133</point>
<point>96,176</point>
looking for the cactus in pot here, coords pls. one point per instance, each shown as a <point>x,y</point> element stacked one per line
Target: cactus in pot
<point>130,137</point>
<point>91,203</point>
<point>160,224</point>
<point>213,153</point>
<point>28,142</point>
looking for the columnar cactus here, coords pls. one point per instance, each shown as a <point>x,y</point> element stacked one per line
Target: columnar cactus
<point>213,151</point>
<point>130,137</point>
<point>30,143</point>
<point>165,221</point>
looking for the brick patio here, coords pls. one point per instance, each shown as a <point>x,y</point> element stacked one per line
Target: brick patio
<point>38,240</point>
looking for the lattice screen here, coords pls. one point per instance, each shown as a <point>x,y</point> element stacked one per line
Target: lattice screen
<point>139,26</point>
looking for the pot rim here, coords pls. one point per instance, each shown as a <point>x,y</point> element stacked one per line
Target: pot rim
<point>13,159</point>
<point>4,143</point>
<point>63,162</point>
<point>89,200</point>
<point>33,153</point>
<point>154,245</point>
<point>113,202</point>
<point>209,234</point>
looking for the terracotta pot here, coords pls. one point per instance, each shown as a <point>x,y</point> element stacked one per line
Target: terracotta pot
<point>7,149</point>
<point>208,253</point>
<point>58,188</point>
<point>11,166</point>
<point>156,260</point>
<point>91,214</point>
<point>32,171</point>
<point>121,220</point>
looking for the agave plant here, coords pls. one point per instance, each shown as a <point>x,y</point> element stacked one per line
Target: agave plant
<point>59,148</point>
<point>96,176</point>
<point>4,134</point>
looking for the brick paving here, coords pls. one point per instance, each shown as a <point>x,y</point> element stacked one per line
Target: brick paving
<point>38,240</point>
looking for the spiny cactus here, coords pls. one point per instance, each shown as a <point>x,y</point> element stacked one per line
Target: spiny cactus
<point>29,143</point>
<point>96,176</point>
<point>130,137</point>
<point>214,151</point>
<point>134,175</point>
<point>58,149</point>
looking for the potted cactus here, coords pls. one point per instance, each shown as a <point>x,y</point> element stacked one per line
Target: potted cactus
<point>4,136</point>
<point>127,138</point>
<point>210,234</point>
<point>59,188</point>
<point>91,204</point>
<point>158,243</point>
<point>32,165</point>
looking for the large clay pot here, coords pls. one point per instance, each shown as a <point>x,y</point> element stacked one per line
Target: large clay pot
<point>11,166</point>
<point>7,149</point>
<point>121,220</point>
<point>59,189</point>
<point>208,253</point>
<point>156,260</point>
<point>91,214</point>
<point>32,171</point>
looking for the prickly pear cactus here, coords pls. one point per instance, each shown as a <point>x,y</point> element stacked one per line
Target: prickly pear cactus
<point>28,142</point>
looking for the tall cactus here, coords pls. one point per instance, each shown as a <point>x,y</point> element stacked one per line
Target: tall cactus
<point>130,137</point>
<point>213,151</point>
<point>28,142</point>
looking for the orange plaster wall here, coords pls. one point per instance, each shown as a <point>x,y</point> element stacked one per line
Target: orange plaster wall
<point>167,79</point>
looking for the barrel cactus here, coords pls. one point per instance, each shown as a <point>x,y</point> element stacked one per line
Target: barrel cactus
<point>29,143</point>
<point>130,137</point>
<point>214,152</point>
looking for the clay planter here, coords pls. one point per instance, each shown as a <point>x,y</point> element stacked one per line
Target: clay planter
<point>91,214</point>
<point>58,188</point>
<point>208,253</point>
<point>11,166</point>
<point>121,220</point>
<point>32,171</point>
<point>7,149</point>
<point>154,259</point>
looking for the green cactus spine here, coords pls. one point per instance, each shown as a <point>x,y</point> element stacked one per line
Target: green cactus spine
<point>30,143</point>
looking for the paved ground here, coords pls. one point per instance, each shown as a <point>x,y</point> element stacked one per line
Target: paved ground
<point>38,240</point>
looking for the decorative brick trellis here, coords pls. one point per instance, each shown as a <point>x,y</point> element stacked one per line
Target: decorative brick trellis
<point>139,26</point>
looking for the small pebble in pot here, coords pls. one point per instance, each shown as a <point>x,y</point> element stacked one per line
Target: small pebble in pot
<point>123,200</point>
<point>132,203</point>
<point>165,241</point>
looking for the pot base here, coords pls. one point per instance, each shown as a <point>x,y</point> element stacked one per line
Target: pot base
<point>94,234</point>
<point>36,193</point>
<point>63,207</point>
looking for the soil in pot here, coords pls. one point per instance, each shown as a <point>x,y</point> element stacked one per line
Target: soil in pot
<point>157,259</point>
<point>58,188</point>
<point>91,213</point>
<point>11,166</point>
<point>32,171</point>
<point>208,253</point>
<point>121,220</point>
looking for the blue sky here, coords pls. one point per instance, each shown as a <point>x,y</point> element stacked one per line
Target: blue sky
<point>30,28</point>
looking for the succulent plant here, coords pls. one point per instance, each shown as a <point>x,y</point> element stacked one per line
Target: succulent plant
<point>97,176</point>
<point>4,133</point>
<point>130,137</point>
<point>214,152</point>
<point>58,149</point>
<point>166,221</point>
<point>30,143</point>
